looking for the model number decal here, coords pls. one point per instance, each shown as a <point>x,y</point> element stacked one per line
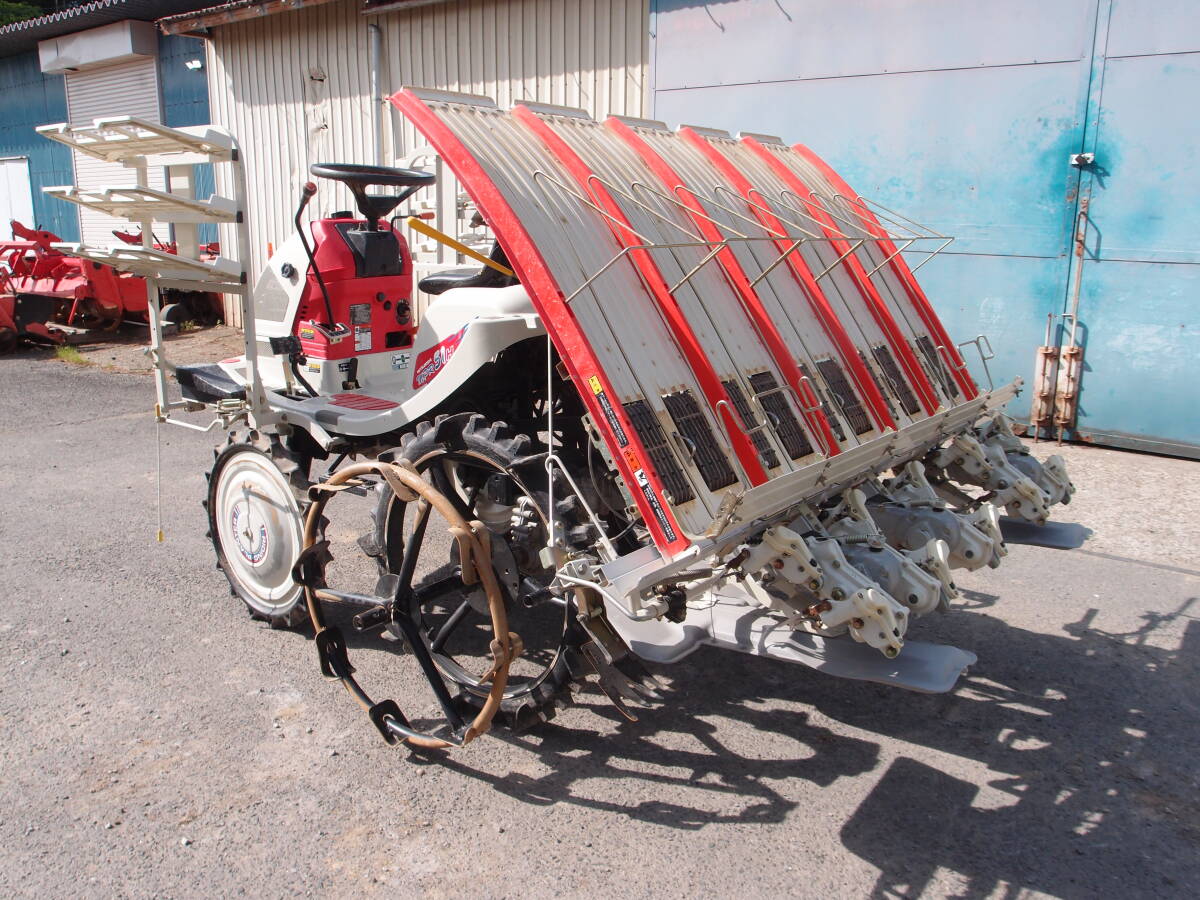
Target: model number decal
<point>433,360</point>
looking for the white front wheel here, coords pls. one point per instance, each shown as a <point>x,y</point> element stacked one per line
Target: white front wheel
<point>258,530</point>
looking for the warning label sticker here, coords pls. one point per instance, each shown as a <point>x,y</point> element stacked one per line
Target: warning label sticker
<point>609,413</point>
<point>652,498</point>
<point>362,337</point>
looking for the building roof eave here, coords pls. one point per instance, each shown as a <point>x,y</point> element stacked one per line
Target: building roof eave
<point>200,21</point>
<point>19,37</point>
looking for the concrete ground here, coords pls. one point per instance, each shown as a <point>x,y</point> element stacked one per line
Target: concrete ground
<point>154,741</point>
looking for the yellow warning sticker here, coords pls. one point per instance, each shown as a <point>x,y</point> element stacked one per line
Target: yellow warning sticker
<point>609,413</point>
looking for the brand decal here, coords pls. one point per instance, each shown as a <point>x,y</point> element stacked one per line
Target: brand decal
<point>433,360</point>
<point>609,413</point>
<point>252,544</point>
<point>307,334</point>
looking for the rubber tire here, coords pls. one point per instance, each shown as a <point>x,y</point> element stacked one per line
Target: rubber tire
<point>538,701</point>
<point>294,470</point>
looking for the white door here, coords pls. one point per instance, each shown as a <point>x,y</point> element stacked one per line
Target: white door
<point>124,89</point>
<point>16,196</point>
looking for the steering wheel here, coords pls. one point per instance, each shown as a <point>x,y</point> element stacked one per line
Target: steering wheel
<point>357,178</point>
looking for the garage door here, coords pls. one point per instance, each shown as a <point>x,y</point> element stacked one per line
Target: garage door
<point>124,89</point>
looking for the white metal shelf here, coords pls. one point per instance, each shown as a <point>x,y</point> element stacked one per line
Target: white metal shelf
<point>127,138</point>
<point>139,204</point>
<point>221,274</point>
<point>143,146</point>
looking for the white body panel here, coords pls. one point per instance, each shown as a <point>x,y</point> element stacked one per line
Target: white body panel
<point>485,321</point>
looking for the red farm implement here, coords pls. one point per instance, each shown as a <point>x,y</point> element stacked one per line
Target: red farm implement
<point>49,295</point>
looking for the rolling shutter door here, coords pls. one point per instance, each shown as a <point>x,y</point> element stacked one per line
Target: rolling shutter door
<point>125,89</point>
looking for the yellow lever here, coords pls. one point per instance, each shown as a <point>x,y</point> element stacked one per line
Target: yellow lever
<point>429,231</point>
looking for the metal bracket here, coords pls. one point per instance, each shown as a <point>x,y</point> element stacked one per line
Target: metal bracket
<point>980,341</point>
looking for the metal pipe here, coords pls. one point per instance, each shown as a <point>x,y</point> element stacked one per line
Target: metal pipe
<point>374,60</point>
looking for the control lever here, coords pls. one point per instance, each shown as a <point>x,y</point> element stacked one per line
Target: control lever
<point>334,332</point>
<point>290,347</point>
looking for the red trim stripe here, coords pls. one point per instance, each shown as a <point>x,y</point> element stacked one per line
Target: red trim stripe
<point>737,278</point>
<point>573,346</point>
<point>867,388</point>
<point>361,401</point>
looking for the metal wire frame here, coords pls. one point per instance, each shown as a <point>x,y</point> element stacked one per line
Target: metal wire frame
<point>697,241</point>
<point>715,248</point>
<point>701,198</point>
<point>796,218</point>
<point>646,244</point>
<point>904,242</point>
<point>899,220</point>
<point>919,232</point>
<point>817,200</point>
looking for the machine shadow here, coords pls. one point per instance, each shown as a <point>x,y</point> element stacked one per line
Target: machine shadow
<point>1083,747</point>
<point>1077,728</point>
<point>680,742</point>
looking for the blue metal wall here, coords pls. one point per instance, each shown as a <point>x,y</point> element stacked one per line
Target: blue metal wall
<point>1139,276</point>
<point>964,115</point>
<point>27,99</point>
<point>184,95</point>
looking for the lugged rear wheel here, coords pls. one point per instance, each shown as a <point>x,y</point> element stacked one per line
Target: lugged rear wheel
<point>492,476</point>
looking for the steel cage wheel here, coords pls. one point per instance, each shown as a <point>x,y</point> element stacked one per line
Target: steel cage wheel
<point>469,462</point>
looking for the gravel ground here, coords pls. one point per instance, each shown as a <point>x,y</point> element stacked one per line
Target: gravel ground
<point>154,741</point>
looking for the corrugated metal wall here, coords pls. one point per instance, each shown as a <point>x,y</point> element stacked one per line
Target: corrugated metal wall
<point>28,99</point>
<point>295,87</point>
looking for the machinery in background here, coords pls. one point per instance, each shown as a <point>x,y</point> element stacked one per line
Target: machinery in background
<point>48,295</point>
